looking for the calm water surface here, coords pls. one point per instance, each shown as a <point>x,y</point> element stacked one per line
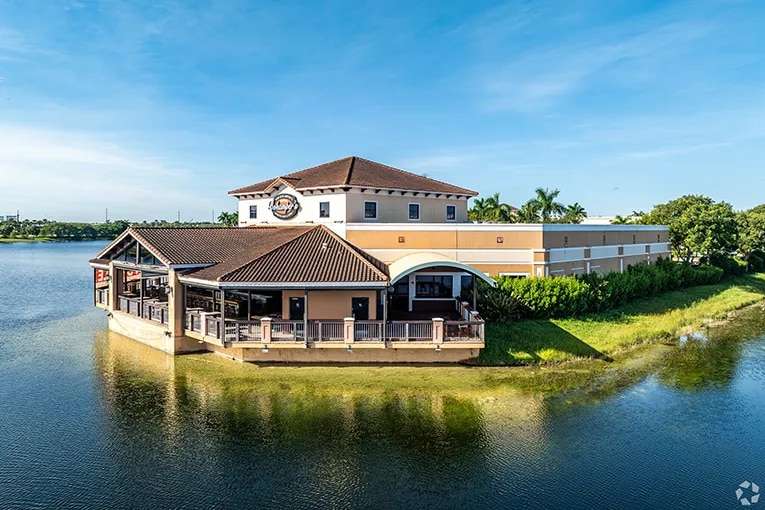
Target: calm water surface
<point>90,420</point>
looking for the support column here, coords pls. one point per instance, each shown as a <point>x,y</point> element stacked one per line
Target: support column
<point>438,330</point>
<point>222,317</point>
<point>114,288</point>
<point>384,294</point>
<point>265,330</point>
<point>140,298</point>
<point>475,294</point>
<point>175,306</point>
<point>349,330</point>
<point>305,316</point>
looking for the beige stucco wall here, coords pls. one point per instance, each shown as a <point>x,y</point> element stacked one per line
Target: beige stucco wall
<point>308,212</point>
<point>428,354</point>
<point>394,208</point>
<point>151,334</point>
<point>330,304</point>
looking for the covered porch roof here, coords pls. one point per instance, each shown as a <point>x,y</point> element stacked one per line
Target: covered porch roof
<point>416,261</point>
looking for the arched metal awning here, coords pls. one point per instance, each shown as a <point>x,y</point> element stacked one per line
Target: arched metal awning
<point>410,263</point>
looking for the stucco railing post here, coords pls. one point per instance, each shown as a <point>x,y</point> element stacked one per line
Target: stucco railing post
<point>203,326</point>
<point>265,330</point>
<point>438,330</point>
<point>349,330</point>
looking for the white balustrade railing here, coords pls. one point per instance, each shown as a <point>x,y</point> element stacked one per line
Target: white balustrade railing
<point>326,331</point>
<point>368,331</point>
<point>102,296</point>
<point>465,331</point>
<point>405,331</point>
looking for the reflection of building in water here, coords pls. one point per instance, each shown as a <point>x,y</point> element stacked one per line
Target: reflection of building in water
<point>349,261</point>
<point>141,380</point>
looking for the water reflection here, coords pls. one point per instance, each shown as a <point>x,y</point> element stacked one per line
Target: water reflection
<point>710,358</point>
<point>332,445</point>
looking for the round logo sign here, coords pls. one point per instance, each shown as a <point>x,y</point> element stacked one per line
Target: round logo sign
<point>284,206</point>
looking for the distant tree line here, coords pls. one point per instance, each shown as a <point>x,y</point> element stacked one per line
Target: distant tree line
<point>81,231</point>
<point>703,230</point>
<point>543,208</point>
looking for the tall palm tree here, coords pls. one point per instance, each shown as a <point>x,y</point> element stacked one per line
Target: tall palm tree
<point>529,213</point>
<point>548,207</point>
<point>574,213</point>
<point>478,211</point>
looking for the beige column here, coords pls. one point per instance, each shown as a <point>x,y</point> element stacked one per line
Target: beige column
<point>175,305</point>
<point>349,330</point>
<point>265,330</point>
<point>438,330</point>
<point>114,287</point>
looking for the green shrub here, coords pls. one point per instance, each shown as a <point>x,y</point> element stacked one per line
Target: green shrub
<point>569,296</point>
<point>731,266</point>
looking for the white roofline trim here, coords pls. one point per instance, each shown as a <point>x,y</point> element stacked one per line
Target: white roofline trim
<point>287,285</point>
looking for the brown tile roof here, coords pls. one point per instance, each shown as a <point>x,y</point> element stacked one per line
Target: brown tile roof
<point>317,256</point>
<point>355,171</point>
<point>289,254</point>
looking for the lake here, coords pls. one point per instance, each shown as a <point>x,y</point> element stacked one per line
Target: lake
<point>92,420</point>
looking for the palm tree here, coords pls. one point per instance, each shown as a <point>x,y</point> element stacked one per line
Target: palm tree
<point>478,211</point>
<point>620,220</point>
<point>529,213</point>
<point>228,219</point>
<point>574,213</point>
<point>491,209</point>
<point>547,206</point>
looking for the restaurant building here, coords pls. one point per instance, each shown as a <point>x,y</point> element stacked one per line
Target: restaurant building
<point>349,261</point>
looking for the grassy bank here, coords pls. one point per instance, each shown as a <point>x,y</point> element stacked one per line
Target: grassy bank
<point>32,240</point>
<point>604,335</point>
<point>557,354</point>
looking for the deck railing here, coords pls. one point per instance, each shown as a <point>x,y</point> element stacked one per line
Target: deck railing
<point>326,331</point>
<point>463,331</point>
<point>129,305</point>
<point>102,297</point>
<point>333,331</point>
<point>155,311</point>
<point>287,331</point>
<point>368,331</point>
<point>409,331</point>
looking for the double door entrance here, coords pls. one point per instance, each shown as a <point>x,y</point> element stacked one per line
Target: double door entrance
<point>359,308</point>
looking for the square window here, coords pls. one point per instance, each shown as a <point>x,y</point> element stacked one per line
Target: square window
<point>323,209</point>
<point>500,240</point>
<point>451,213</point>
<point>414,211</point>
<point>370,210</point>
<point>401,239</point>
<point>253,212</point>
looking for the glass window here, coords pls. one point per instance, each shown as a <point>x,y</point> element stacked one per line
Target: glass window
<point>253,211</point>
<point>323,209</point>
<point>433,286</point>
<point>370,210</point>
<point>451,213</point>
<point>414,211</point>
<point>467,282</point>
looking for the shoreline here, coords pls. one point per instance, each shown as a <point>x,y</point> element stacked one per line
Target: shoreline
<point>574,378</point>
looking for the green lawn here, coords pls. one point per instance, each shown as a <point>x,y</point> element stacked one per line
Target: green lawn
<point>15,240</point>
<point>603,335</point>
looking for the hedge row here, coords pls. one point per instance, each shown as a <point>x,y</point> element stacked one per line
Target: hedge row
<point>516,298</point>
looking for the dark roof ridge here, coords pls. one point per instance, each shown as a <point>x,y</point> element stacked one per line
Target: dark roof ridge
<point>350,170</point>
<point>305,230</point>
<point>138,237</point>
<point>360,253</point>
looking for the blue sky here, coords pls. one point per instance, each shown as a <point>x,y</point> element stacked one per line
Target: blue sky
<point>150,107</point>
